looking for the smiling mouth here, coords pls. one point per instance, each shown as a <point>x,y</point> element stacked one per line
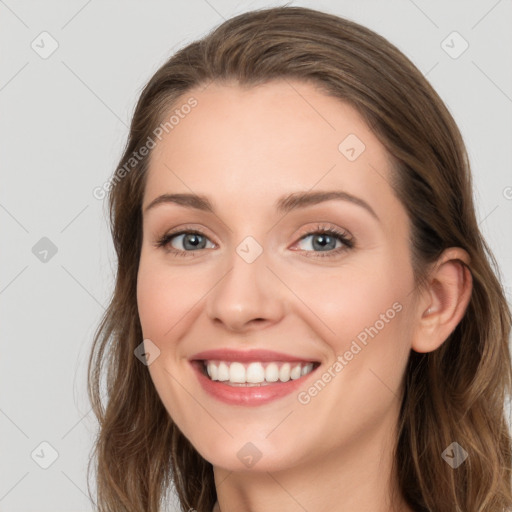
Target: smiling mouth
<point>255,373</point>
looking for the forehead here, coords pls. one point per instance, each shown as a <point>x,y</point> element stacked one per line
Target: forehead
<point>255,144</point>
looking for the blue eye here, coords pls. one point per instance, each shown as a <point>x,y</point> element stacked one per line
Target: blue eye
<point>191,240</point>
<point>325,239</point>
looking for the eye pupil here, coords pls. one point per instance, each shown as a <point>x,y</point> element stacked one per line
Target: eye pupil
<point>193,239</point>
<point>323,241</point>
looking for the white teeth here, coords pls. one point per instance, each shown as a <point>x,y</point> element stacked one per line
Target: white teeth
<point>272,372</point>
<point>223,373</point>
<point>255,372</point>
<point>237,372</point>
<point>213,371</point>
<point>295,373</point>
<point>306,369</point>
<point>284,372</point>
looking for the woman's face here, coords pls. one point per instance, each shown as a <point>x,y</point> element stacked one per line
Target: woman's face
<point>258,272</point>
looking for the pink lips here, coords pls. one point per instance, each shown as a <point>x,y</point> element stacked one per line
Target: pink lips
<point>227,354</point>
<point>251,395</point>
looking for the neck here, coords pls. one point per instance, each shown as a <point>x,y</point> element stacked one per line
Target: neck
<point>356,478</point>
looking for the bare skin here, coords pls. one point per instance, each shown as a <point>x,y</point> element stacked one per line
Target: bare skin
<point>245,149</point>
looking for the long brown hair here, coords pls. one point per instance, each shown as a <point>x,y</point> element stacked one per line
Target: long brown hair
<point>455,393</point>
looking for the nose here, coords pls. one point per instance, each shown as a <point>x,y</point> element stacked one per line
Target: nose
<point>249,296</point>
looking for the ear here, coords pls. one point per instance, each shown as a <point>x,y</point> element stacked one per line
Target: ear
<point>444,300</point>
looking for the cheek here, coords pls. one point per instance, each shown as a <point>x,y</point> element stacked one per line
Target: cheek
<point>361,314</point>
<point>155,304</point>
<point>158,306</point>
<point>164,297</point>
<point>353,298</point>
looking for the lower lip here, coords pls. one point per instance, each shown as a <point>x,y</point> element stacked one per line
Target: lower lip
<point>251,395</point>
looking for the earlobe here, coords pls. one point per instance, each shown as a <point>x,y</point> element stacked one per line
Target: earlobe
<point>444,301</point>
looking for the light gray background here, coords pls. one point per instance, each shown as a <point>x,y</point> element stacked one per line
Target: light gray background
<point>63,124</point>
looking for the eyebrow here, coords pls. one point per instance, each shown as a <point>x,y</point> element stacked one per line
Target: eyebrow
<point>283,205</point>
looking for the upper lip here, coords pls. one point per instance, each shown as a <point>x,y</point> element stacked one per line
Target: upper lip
<point>227,354</point>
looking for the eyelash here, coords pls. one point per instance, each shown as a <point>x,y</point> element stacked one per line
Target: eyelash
<point>348,243</point>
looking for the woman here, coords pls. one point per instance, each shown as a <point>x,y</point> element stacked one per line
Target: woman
<point>305,314</point>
